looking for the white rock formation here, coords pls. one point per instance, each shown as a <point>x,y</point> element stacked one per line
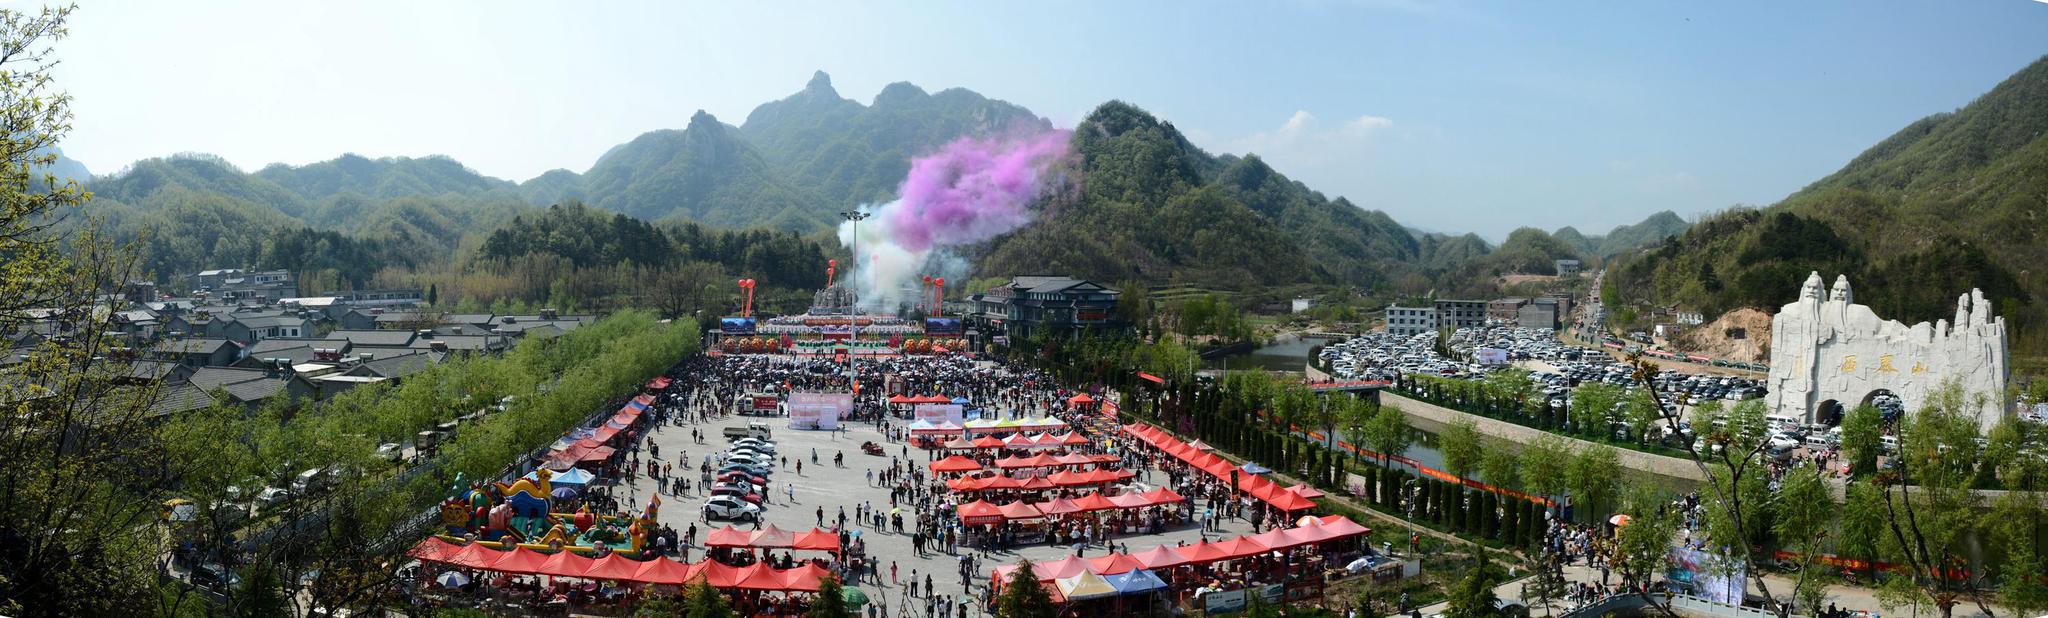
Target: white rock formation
<point>1830,349</point>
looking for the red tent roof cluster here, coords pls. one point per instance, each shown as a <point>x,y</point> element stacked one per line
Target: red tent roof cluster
<point>522,561</point>
<point>1057,479</point>
<point>772,537</point>
<point>984,512</point>
<point>1312,531</point>
<point>1258,486</point>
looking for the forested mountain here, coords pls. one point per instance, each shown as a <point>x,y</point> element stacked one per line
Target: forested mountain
<point>846,153</point>
<point>1624,238</point>
<point>1156,208</point>
<point>381,178</point>
<point>1953,201</point>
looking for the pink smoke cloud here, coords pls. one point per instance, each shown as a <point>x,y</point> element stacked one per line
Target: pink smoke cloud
<point>972,190</point>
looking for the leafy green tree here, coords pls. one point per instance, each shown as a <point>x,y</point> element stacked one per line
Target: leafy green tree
<point>1802,516</point>
<point>1389,433</point>
<point>1863,535</point>
<point>1929,509</point>
<point>2014,524</point>
<point>1593,473</point>
<point>1592,406</point>
<point>700,600</point>
<point>1500,468</point>
<point>1642,546</point>
<point>1024,597</point>
<point>1546,466</point>
<point>830,601</point>
<point>1461,448</point>
<point>1860,440</point>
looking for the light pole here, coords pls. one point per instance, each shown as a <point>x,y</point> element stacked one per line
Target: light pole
<point>852,322</point>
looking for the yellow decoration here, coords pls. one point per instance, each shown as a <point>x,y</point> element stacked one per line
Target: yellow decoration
<point>1884,364</point>
<point>1919,368</point>
<point>1849,363</point>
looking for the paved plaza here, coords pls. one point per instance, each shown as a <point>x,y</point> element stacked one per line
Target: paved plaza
<point>832,488</point>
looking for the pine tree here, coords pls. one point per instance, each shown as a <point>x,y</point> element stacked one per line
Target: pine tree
<point>701,600</point>
<point>1024,597</point>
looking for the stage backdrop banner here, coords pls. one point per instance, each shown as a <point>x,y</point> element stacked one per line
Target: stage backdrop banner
<point>937,412</point>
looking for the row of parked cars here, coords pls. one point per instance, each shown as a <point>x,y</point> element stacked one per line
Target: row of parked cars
<point>740,484</point>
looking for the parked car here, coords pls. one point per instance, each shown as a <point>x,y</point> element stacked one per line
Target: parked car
<point>728,507</point>
<point>215,577</point>
<point>749,493</point>
<point>273,496</point>
<point>391,451</point>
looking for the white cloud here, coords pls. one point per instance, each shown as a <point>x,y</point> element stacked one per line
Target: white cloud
<point>1306,140</point>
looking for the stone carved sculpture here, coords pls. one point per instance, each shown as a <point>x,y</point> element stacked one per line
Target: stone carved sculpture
<point>1836,350</point>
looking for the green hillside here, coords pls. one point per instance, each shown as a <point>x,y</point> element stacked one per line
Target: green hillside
<point>1953,201</point>
<point>1624,238</point>
<point>1155,208</point>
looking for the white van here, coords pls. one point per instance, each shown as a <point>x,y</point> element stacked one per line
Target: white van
<point>1781,421</point>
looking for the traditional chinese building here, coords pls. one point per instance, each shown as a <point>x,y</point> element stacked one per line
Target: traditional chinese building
<point>1829,354</point>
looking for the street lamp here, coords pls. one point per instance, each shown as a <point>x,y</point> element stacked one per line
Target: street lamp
<point>852,323</point>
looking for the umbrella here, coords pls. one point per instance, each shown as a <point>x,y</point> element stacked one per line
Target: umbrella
<point>853,596</point>
<point>1620,520</point>
<point>563,493</point>
<point>1254,468</point>
<point>452,579</point>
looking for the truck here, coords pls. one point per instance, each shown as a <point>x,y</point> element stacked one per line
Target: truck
<point>754,429</point>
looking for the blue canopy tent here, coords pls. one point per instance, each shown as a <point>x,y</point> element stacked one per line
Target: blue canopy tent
<point>572,476</point>
<point>1135,582</point>
<point>960,400</point>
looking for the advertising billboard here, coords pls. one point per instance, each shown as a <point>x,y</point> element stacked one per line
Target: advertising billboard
<point>1490,356</point>
<point>736,326</point>
<point>944,326</point>
<point>937,412</point>
<point>1711,577</point>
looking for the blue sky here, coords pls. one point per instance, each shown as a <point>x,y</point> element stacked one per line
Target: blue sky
<point>1450,116</point>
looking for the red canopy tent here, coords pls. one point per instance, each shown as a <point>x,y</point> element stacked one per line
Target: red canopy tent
<point>1020,510</point>
<point>807,578</point>
<point>979,512</point>
<point>1071,439</point>
<point>1241,547</point>
<point>1283,538</point>
<point>1303,490</point>
<point>664,571</point>
<point>597,454</point>
<point>901,399</point>
<point>473,555</point>
<point>1113,564</point>
<point>1093,502</point>
<point>1164,496</point>
<point>1034,461</point>
<point>658,383</point>
<point>957,444</point>
<point>956,463</point>
<point>816,539</point>
<point>614,567</point>
<point>1339,526</point>
<point>1061,506</point>
<point>1075,459</point>
<point>728,536</point>
<point>722,576</point>
<point>772,536</point>
<point>1080,399</point>
<point>520,561</point>
<point>988,442</point>
<point>1201,553</point>
<point>1161,557</point>
<point>761,577</point>
<point>1129,501</point>
<point>566,564</point>
<point>433,549</point>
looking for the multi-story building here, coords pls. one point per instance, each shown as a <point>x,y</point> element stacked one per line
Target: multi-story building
<point>1505,309</point>
<point>1539,313</point>
<point>1460,313</point>
<point>1033,304</point>
<point>1568,268</point>
<point>1406,321</point>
